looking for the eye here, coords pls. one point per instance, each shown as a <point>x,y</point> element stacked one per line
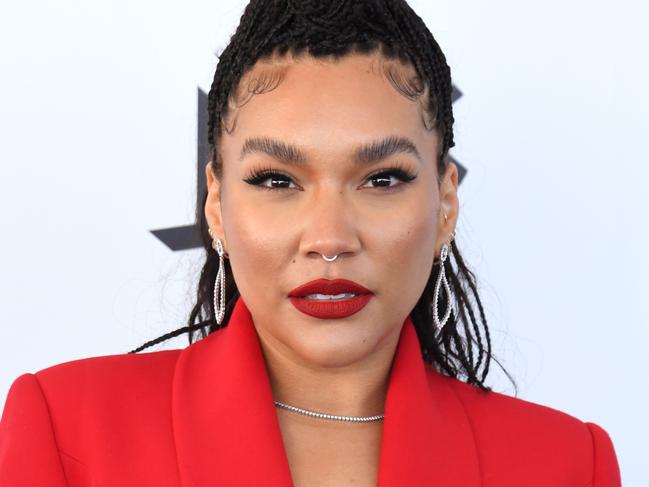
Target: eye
<point>278,180</point>
<point>384,177</point>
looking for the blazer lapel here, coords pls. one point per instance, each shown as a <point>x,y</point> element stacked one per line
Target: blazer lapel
<point>226,429</point>
<point>225,423</point>
<point>427,439</point>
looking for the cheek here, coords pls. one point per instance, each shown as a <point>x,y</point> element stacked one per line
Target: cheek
<point>411,245</point>
<point>256,245</point>
<point>407,251</point>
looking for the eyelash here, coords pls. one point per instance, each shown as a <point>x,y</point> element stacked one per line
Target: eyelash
<point>258,176</point>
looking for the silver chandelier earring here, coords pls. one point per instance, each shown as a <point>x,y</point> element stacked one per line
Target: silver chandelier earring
<point>219,283</point>
<point>441,279</point>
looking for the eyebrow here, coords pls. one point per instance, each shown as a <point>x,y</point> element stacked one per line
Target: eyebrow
<point>364,154</point>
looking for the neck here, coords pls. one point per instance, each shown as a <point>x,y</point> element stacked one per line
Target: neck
<point>356,389</point>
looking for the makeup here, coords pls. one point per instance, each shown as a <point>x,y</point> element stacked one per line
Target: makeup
<point>330,299</point>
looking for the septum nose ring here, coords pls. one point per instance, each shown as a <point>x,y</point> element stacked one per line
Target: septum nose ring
<point>330,259</point>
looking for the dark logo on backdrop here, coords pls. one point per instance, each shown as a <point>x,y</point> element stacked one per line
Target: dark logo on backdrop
<point>186,236</point>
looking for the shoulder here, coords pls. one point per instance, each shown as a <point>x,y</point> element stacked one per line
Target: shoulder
<point>491,407</point>
<point>523,431</point>
<point>92,397</point>
<point>495,409</point>
<point>119,381</point>
<point>102,376</point>
<point>106,369</point>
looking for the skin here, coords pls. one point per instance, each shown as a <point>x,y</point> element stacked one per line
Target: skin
<point>388,241</point>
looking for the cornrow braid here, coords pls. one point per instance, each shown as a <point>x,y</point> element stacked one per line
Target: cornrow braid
<point>333,29</point>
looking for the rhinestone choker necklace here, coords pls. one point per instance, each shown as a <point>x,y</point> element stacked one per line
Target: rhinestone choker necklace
<point>354,419</point>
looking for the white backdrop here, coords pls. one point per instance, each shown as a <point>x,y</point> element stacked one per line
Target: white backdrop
<point>98,147</point>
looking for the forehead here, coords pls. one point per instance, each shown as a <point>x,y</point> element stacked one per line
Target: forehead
<point>308,98</point>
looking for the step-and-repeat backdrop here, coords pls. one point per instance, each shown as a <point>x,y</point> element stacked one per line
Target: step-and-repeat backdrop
<point>102,150</point>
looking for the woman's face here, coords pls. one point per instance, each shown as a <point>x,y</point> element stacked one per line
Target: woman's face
<point>387,231</point>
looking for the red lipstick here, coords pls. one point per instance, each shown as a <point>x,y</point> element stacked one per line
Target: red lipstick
<point>330,308</point>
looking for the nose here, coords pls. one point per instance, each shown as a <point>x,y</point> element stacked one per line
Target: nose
<point>330,227</point>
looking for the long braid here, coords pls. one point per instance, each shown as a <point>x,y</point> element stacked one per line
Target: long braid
<point>325,28</point>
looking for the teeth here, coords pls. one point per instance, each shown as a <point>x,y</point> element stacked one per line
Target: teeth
<point>330,296</point>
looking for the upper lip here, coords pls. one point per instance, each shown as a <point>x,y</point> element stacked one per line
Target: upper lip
<point>326,286</point>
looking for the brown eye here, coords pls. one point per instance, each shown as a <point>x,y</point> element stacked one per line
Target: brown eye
<point>278,181</point>
<point>384,178</point>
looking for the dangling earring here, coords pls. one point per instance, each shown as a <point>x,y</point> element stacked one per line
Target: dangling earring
<point>219,283</point>
<point>441,278</point>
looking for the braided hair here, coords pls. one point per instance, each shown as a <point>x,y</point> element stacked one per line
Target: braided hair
<point>332,29</point>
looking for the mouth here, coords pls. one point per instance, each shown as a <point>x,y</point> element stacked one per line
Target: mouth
<point>325,289</point>
<point>329,299</point>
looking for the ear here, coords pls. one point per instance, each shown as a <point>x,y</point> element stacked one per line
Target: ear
<point>448,205</point>
<point>213,206</point>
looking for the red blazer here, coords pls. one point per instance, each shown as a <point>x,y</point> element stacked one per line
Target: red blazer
<point>203,416</point>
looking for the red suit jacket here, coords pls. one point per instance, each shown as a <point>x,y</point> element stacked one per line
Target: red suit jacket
<point>203,416</point>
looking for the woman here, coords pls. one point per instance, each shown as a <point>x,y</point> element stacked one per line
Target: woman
<point>335,333</point>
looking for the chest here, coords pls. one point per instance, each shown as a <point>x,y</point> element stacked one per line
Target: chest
<point>326,455</point>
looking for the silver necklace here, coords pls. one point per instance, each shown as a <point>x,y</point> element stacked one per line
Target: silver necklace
<point>353,419</point>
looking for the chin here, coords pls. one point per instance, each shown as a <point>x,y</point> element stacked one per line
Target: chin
<point>334,348</point>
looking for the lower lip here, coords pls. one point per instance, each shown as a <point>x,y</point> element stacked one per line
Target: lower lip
<point>331,309</point>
